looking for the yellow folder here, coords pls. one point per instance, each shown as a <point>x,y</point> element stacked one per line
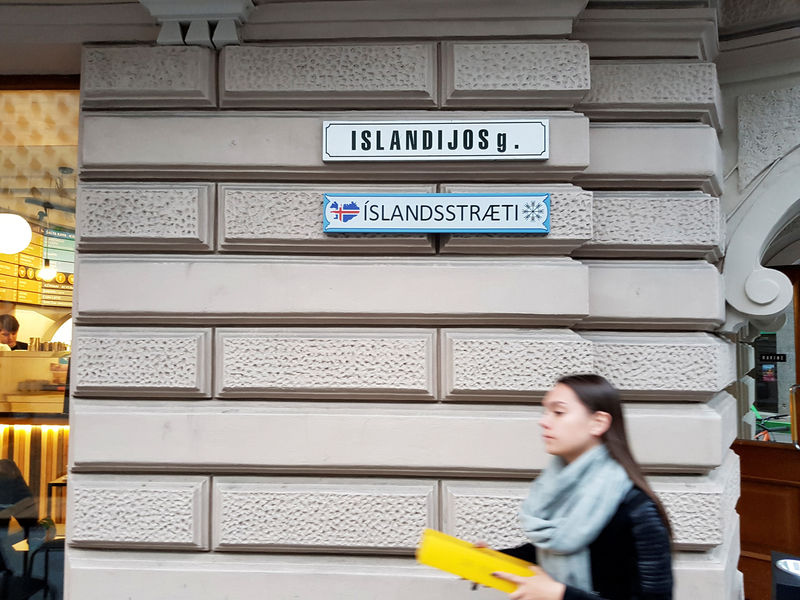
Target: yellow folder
<point>461,558</point>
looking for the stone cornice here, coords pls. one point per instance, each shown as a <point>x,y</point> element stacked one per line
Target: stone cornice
<point>689,33</point>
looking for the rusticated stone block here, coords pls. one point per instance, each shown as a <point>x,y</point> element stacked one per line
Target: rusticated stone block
<point>344,76</point>
<point>133,511</point>
<point>570,222</point>
<point>142,363</point>
<point>663,365</point>
<point>215,574</point>
<point>653,294</point>
<point>701,509</point>
<point>148,76</point>
<point>316,289</point>
<point>355,437</point>
<point>654,91</point>
<point>268,146</point>
<point>643,224</point>
<point>701,512</point>
<point>321,514</point>
<point>509,364</point>
<point>769,127</point>
<point>515,73</point>
<point>288,218</point>
<point>326,363</point>
<point>132,216</point>
<point>741,15</point>
<point>654,155</point>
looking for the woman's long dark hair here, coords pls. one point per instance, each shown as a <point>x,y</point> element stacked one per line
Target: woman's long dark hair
<point>597,394</point>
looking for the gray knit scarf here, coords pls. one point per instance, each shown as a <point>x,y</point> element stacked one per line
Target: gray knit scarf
<point>567,507</point>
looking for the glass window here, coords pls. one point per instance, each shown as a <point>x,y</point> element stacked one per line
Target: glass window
<point>38,182</point>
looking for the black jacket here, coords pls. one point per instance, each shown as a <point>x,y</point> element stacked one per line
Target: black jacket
<point>631,558</point>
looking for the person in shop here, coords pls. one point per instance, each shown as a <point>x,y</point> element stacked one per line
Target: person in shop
<point>596,529</point>
<point>9,327</point>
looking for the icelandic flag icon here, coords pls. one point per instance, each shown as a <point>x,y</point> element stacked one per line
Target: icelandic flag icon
<point>346,212</point>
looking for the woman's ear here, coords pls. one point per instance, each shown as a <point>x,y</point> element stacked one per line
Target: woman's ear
<point>601,421</point>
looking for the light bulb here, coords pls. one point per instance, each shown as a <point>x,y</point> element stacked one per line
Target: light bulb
<point>47,273</point>
<point>15,233</point>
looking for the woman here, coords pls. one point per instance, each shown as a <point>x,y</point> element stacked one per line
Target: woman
<point>597,529</point>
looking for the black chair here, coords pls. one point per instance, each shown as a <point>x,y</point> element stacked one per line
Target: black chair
<point>16,501</point>
<point>19,587</point>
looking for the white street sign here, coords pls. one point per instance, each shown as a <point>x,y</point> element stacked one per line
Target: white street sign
<point>435,140</point>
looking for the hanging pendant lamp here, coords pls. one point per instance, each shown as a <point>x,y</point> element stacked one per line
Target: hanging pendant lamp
<point>15,233</point>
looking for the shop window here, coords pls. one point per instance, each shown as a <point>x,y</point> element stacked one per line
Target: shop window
<point>775,373</point>
<point>38,182</point>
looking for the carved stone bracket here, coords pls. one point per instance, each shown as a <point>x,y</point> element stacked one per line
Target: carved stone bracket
<point>755,292</point>
<point>209,23</point>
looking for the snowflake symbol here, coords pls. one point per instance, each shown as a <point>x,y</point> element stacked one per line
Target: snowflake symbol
<point>534,210</point>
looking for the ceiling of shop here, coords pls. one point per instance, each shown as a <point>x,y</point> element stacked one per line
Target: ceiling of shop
<point>39,155</point>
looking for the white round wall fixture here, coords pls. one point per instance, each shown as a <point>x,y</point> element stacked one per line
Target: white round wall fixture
<point>15,233</point>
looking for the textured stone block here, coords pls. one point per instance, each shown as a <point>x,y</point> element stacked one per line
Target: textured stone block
<point>286,146</point>
<point>654,294</point>
<point>141,363</point>
<point>303,514</point>
<point>319,437</point>
<point>643,224</point>
<point>326,363</point>
<point>509,365</point>
<point>570,222</point>
<point>654,155</point>
<point>384,290</point>
<point>137,216</point>
<point>384,75</point>
<point>663,365</point>
<point>678,91</point>
<point>701,509</point>
<point>769,127</point>
<point>701,512</point>
<point>741,15</point>
<point>288,218</point>
<point>148,76</point>
<point>138,511</point>
<point>515,73</point>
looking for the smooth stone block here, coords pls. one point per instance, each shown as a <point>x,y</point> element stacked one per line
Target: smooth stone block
<point>95,575</point>
<point>287,146</point>
<point>380,439</point>
<point>654,295</point>
<point>654,155</point>
<point>281,289</point>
